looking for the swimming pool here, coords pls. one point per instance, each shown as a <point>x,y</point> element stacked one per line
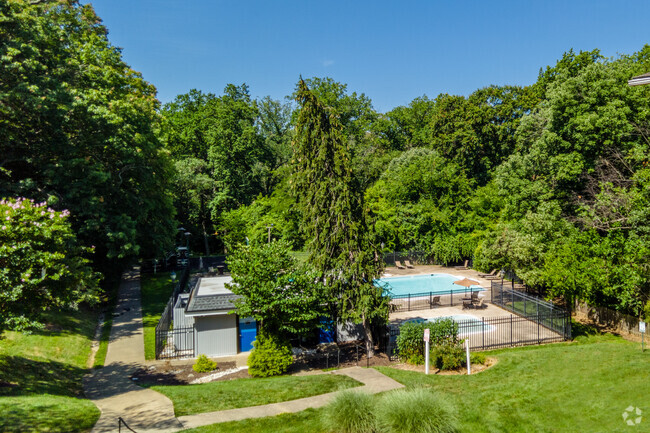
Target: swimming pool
<point>417,284</point>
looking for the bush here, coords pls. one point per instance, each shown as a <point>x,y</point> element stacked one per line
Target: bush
<point>271,356</point>
<point>477,358</point>
<point>449,356</point>
<point>415,411</point>
<point>203,364</point>
<point>410,339</point>
<point>351,412</point>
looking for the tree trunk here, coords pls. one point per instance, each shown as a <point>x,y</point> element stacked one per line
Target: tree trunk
<point>370,344</point>
<point>205,240</point>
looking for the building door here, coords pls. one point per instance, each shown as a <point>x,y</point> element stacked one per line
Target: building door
<point>247,333</point>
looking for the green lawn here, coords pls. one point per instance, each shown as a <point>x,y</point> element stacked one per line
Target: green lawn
<point>156,290</point>
<point>44,371</point>
<point>213,396</point>
<point>568,387</point>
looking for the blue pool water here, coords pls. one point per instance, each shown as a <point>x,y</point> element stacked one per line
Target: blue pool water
<point>416,284</point>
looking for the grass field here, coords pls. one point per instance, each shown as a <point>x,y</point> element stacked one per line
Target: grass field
<point>156,290</point>
<point>213,396</point>
<point>584,386</point>
<point>41,374</point>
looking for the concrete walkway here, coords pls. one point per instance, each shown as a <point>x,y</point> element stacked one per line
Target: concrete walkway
<point>145,410</point>
<point>111,389</point>
<point>373,382</point>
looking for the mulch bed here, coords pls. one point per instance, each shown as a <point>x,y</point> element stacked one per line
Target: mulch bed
<point>168,374</point>
<point>338,356</point>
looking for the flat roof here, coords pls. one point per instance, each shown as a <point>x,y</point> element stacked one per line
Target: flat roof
<point>210,296</point>
<point>214,286</point>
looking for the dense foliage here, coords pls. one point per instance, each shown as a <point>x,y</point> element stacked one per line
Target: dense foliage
<point>333,216</point>
<point>283,297</point>
<point>271,356</point>
<point>42,265</point>
<point>410,341</point>
<point>77,130</point>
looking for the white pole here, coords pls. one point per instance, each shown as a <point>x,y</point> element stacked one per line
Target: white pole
<point>426,357</point>
<point>469,366</point>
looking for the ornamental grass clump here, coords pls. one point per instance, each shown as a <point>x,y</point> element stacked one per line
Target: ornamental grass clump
<point>351,412</point>
<point>415,411</point>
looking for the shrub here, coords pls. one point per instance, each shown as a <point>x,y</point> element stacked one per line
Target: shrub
<point>409,342</point>
<point>415,411</point>
<point>350,412</point>
<point>449,356</point>
<point>271,356</point>
<point>410,339</point>
<point>204,364</point>
<point>477,358</point>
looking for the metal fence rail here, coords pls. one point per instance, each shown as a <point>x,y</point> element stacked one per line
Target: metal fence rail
<point>498,332</point>
<point>522,304</point>
<point>170,342</point>
<point>428,300</point>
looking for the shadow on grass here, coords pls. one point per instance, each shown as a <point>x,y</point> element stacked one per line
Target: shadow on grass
<point>584,330</point>
<point>22,376</point>
<point>47,413</point>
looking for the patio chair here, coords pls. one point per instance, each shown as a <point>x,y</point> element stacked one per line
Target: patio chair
<point>481,303</point>
<point>399,265</point>
<point>474,296</point>
<point>408,264</point>
<point>464,266</point>
<point>467,303</point>
<point>491,274</point>
<point>435,301</point>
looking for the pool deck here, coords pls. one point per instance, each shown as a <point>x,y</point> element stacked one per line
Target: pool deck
<point>503,333</point>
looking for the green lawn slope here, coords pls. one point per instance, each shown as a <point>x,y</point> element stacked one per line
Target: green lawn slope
<point>41,376</point>
<point>583,386</point>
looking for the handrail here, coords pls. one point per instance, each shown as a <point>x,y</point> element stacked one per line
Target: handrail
<point>120,421</point>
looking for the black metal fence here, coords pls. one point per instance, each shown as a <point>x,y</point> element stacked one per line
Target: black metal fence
<point>497,332</point>
<point>415,257</point>
<point>173,342</point>
<point>428,300</point>
<point>522,304</point>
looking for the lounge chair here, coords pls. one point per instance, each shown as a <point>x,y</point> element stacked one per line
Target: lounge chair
<point>491,274</point>
<point>399,265</point>
<point>408,264</point>
<point>467,303</point>
<point>464,266</point>
<point>435,301</point>
<point>480,303</point>
<point>474,296</point>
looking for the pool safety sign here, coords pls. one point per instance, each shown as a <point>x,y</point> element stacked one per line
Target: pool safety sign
<point>426,334</point>
<point>642,327</point>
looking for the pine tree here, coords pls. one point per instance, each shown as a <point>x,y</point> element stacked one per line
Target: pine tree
<point>334,219</point>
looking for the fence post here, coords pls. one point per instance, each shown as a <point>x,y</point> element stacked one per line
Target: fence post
<point>430,300</point>
<point>409,309</point>
<point>451,292</point>
<point>538,324</point>
<point>511,340</point>
<point>483,329</point>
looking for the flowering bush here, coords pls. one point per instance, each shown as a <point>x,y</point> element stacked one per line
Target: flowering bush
<point>41,264</point>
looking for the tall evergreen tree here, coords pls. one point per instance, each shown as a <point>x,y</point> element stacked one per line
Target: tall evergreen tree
<point>334,219</point>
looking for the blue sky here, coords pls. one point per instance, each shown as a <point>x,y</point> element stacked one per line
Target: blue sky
<point>393,51</point>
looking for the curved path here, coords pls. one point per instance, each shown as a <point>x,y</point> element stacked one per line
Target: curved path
<point>146,411</point>
<point>111,389</point>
